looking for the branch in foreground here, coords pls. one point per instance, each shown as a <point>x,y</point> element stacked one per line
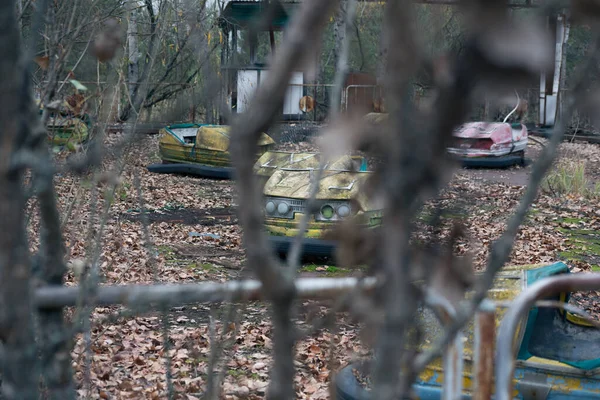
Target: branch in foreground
<point>348,11</point>
<point>401,167</point>
<point>172,295</point>
<point>17,342</point>
<point>303,32</point>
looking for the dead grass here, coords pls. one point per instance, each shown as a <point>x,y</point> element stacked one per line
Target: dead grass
<point>570,178</point>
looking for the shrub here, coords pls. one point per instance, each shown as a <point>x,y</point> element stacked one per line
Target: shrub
<point>570,178</point>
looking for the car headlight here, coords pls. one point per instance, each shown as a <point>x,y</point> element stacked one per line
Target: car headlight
<point>343,211</point>
<point>327,211</point>
<point>283,208</point>
<point>334,211</point>
<point>279,207</point>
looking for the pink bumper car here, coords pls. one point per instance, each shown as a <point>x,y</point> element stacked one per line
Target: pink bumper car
<point>490,144</point>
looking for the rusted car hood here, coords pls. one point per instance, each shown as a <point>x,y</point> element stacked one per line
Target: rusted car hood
<point>498,132</point>
<point>272,161</point>
<point>201,144</point>
<point>376,118</point>
<point>296,184</point>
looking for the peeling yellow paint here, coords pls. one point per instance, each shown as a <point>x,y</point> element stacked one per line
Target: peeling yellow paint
<point>272,161</point>
<point>334,185</point>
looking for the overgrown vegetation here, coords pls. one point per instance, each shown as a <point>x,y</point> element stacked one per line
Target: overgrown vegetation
<point>570,178</point>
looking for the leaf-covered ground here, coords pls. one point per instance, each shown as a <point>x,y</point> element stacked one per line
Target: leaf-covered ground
<point>192,235</point>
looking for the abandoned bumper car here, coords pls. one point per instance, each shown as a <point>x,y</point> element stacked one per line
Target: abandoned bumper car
<point>198,149</point>
<point>287,179</point>
<point>496,144</point>
<point>491,144</point>
<point>69,131</point>
<point>483,144</point>
<point>557,353</point>
<point>67,125</point>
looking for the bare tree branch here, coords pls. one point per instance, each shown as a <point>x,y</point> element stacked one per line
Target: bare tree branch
<point>139,90</point>
<point>303,33</point>
<point>247,128</point>
<point>17,344</point>
<point>400,298</point>
<point>347,15</point>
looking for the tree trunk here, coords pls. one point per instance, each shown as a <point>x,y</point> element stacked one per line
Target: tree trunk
<point>133,71</point>
<point>17,345</point>
<point>141,84</point>
<point>342,32</point>
<point>563,70</point>
<point>339,31</point>
<point>55,340</point>
<point>208,78</point>
<point>20,14</point>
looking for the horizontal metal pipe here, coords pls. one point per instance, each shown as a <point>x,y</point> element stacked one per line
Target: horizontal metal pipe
<point>51,297</point>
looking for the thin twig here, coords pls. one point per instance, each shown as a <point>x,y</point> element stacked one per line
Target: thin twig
<point>167,356</point>
<point>402,187</point>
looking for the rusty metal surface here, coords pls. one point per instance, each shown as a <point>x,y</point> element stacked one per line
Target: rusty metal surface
<point>272,161</point>
<point>534,386</point>
<point>334,185</point>
<point>201,144</point>
<point>485,335</point>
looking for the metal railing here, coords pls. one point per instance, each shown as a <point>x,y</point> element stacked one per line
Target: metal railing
<point>362,96</point>
<point>493,354</point>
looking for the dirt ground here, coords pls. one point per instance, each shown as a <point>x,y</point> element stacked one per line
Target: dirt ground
<point>189,233</point>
